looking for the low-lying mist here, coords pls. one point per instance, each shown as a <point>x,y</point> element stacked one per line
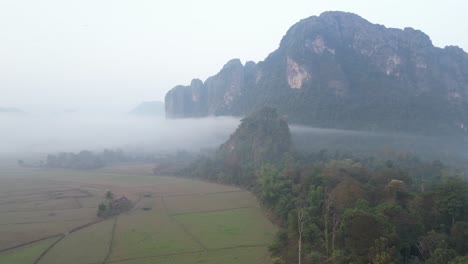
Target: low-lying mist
<point>74,132</point>
<point>382,145</point>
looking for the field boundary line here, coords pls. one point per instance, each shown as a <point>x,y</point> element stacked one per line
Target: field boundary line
<point>184,229</point>
<point>43,222</point>
<point>156,256</point>
<point>37,210</point>
<point>187,232</point>
<point>85,194</point>
<point>78,203</point>
<point>48,197</point>
<point>78,228</point>
<point>37,191</point>
<point>182,253</point>
<point>24,201</point>
<point>164,205</point>
<point>237,247</point>
<point>201,194</point>
<point>73,230</point>
<point>28,243</point>
<point>134,205</point>
<point>214,211</point>
<point>109,252</point>
<point>49,248</point>
<point>65,235</point>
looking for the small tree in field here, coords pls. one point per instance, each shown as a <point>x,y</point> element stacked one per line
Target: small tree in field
<point>109,197</point>
<point>102,208</point>
<point>105,207</point>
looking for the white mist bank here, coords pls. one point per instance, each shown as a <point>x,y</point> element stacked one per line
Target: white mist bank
<point>74,132</point>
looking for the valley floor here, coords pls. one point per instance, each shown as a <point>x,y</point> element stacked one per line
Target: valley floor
<point>49,216</point>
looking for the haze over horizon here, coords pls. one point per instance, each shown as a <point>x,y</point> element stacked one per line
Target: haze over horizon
<point>110,56</point>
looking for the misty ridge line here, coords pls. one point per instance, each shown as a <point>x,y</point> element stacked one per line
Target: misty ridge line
<point>75,132</point>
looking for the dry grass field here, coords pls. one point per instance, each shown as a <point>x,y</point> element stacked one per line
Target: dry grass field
<point>49,216</point>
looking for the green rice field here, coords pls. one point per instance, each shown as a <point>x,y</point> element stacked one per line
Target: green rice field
<point>48,216</point>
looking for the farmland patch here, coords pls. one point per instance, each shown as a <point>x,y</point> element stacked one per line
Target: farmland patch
<point>88,245</point>
<point>27,254</point>
<point>229,228</point>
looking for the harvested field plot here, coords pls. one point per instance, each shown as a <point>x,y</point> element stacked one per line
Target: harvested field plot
<point>229,228</point>
<point>50,216</point>
<point>149,234</point>
<point>41,205</point>
<point>88,245</point>
<point>183,187</point>
<point>248,255</point>
<point>210,202</point>
<point>129,169</point>
<point>173,220</point>
<point>27,254</point>
<point>90,202</point>
<point>149,203</point>
<point>12,235</point>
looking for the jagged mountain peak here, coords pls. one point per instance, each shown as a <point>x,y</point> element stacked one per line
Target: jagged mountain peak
<point>233,63</point>
<point>196,82</point>
<point>342,28</point>
<point>338,70</point>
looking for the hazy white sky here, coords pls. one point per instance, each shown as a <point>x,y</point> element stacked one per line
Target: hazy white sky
<point>113,54</point>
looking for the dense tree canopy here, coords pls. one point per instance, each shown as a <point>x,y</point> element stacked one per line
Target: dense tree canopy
<point>338,208</point>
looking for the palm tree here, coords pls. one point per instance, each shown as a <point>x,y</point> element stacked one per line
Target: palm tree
<point>109,197</point>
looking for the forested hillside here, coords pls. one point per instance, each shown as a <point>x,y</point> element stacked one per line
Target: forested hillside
<point>337,208</point>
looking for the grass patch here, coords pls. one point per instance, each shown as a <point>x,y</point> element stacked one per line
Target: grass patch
<point>149,233</point>
<point>12,235</point>
<point>27,254</point>
<point>210,202</point>
<point>88,245</point>
<point>239,227</point>
<point>254,255</point>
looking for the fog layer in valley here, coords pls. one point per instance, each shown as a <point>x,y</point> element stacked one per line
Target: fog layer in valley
<point>75,132</point>
<point>382,145</point>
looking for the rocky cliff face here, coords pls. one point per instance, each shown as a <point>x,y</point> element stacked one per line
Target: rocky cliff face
<point>215,96</point>
<point>338,70</point>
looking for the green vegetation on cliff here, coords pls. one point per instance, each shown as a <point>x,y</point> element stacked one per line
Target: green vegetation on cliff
<point>261,138</point>
<point>338,208</point>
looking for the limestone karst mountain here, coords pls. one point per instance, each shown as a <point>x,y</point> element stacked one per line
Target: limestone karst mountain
<point>338,70</point>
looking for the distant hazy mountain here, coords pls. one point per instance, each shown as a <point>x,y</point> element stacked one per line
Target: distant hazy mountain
<point>153,108</point>
<point>10,110</point>
<point>338,70</point>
